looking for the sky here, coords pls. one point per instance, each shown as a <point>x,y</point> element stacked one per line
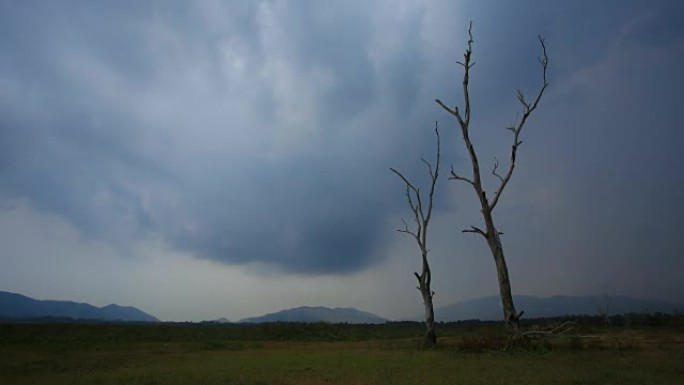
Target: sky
<point>215,159</point>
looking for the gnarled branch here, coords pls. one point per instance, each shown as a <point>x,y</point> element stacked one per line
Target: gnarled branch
<point>407,231</point>
<point>415,199</point>
<point>475,230</point>
<point>453,112</point>
<point>455,176</point>
<point>528,108</point>
<point>496,165</point>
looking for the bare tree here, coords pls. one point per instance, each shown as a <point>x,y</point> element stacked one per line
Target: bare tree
<point>490,232</point>
<point>422,217</point>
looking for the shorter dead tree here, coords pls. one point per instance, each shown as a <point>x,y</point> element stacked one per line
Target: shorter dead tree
<point>422,217</point>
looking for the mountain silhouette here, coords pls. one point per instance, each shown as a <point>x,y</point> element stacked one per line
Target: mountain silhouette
<point>20,307</point>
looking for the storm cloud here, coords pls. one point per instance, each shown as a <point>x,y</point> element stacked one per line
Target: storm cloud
<point>260,133</point>
<point>253,137</point>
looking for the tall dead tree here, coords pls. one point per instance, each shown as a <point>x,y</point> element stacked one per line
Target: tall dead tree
<point>490,232</point>
<point>422,216</point>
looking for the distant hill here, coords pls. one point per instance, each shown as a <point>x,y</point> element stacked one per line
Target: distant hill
<point>318,314</point>
<point>489,308</point>
<point>17,306</point>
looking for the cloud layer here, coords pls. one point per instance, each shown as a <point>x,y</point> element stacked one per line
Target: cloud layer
<point>259,134</point>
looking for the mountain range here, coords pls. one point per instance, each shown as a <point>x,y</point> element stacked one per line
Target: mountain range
<point>486,308</point>
<point>318,314</point>
<point>20,307</point>
<point>489,308</point>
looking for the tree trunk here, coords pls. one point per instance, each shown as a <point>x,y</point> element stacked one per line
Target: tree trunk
<point>430,335</point>
<point>511,316</point>
<point>425,287</point>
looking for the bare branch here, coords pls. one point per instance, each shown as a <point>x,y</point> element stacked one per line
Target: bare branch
<point>453,112</point>
<point>429,166</point>
<point>416,207</point>
<point>406,229</point>
<point>455,176</point>
<point>422,220</point>
<point>464,121</point>
<point>408,184</point>
<point>434,177</point>
<point>466,75</point>
<point>464,64</point>
<point>410,200</point>
<point>521,99</point>
<point>558,331</point>
<point>527,108</point>
<point>496,165</point>
<point>475,230</point>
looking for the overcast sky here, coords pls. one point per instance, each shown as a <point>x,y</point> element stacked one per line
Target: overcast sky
<point>230,158</point>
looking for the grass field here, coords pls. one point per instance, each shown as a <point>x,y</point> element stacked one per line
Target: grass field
<point>328,354</point>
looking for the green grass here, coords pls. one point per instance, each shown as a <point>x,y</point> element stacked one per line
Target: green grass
<point>191,354</point>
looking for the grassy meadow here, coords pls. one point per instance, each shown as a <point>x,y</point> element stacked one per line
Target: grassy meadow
<point>469,353</point>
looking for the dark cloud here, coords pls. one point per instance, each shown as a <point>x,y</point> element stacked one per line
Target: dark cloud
<point>73,147</point>
<point>262,131</point>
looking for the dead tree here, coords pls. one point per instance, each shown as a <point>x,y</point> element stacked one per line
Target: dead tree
<point>422,216</point>
<point>490,232</point>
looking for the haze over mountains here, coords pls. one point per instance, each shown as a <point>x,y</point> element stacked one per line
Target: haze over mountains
<point>486,308</point>
<point>489,308</point>
<point>19,307</point>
